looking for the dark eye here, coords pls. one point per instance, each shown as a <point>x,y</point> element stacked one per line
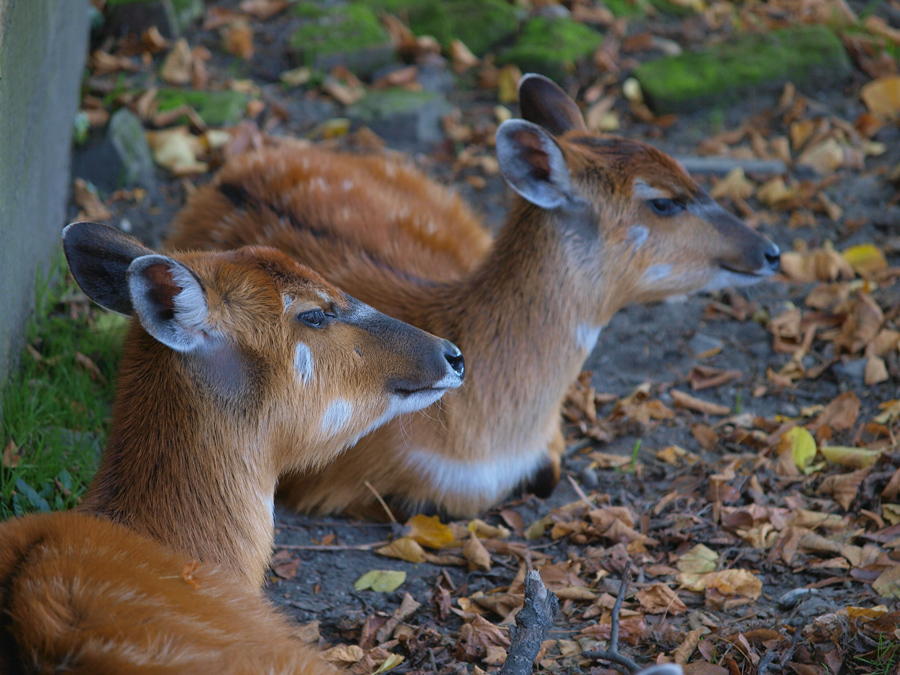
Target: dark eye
<point>315,318</point>
<point>666,207</point>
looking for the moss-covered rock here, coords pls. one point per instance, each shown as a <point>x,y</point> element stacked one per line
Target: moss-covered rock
<point>395,113</point>
<point>480,24</point>
<point>169,16</point>
<point>726,72</point>
<point>348,35</point>
<point>216,108</point>
<point>551,47</point>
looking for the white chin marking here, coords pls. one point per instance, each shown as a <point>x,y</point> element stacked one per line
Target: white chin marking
<point>656,273</point>
<point>488,479</point>
<point>337,415</point>
<point>303,362</point>
<point>728,279</point>
<point>586,336</point>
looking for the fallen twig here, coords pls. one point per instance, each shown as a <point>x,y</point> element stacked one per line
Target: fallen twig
<point>612,653</point>
<point>723,165</point>
<point>333,547</point>
<point>532,624</point>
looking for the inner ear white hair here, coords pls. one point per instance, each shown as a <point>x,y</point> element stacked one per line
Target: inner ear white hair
<point>533,165</point>
<point>169,301</point>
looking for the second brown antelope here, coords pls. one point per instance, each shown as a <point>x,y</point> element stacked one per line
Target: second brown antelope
<point>599,222</point>
<point>238,366</point>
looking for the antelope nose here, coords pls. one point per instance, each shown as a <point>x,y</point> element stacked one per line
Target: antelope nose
<point>454,358</point>
<point>773,256</point>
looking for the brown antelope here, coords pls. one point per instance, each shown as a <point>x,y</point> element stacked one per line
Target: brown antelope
<point>599,222</point>
<point>238,366</point>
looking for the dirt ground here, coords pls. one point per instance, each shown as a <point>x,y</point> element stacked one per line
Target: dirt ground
<point>740,487</point>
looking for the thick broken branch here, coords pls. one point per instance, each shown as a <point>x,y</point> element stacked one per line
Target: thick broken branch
<point>532,624</point>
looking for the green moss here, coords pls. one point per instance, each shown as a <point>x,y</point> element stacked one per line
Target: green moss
<point>727,71</point>
<point>216,108</point>
<point>551,46</point>
<point>480,24</point>
<point>389,102</point>
<point>627,8</point>
<point>55,410</point>
<point>349,35</point>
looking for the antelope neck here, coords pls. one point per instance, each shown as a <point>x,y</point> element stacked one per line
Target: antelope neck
<point>178,475</point>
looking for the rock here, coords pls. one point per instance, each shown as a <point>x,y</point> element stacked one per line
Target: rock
<point>171,17</point>
<point>215,108</point>
<point>392,113</point>
<point>551,47</point>
<point>701,344</point>
<point>350,36</point>
<point>729,71</point>
<point>852,369</point>
<point>588,478</point>
<point>790,410</point>
<point>479,24</point>
<point>126,134</point>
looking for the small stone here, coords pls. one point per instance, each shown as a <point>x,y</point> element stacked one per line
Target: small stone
<point>853,369</point>
<point>588,478</point>
<point>790,410</point>
<point>126,133</point>
<point>704,344</point>
<point>394,113</point>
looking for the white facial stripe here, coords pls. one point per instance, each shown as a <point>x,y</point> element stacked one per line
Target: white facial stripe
<point>303,362</point>
<point>656,273</point>
<point>637,235</point>
<point>287,301</point>
<point>643,191</point>
<point>336,417</point>
<point>586,336</point>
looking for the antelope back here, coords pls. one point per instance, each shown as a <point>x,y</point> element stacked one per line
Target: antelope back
<point>255,344</point>
<point>652,229</point>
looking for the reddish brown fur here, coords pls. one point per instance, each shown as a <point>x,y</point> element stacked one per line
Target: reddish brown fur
<point>197,442</point>
<point>515,307</point>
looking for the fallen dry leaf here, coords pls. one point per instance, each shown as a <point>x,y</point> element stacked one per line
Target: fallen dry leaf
<point>237,39</point>
<point>660,599</point>
<point>176,68</point>
<point>882,97</point>
<point>430,531</point>
<point>852,458</point>
<point>476,554</point>
<point>285,565</point>
<point>684,400</point>
<point>405,548</point>
<point>865,259</point>
<point>843,488</point>
<point>89,202</point>
<point>177,150</point>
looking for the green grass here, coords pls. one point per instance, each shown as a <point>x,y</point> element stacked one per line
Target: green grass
<point>56,408</point>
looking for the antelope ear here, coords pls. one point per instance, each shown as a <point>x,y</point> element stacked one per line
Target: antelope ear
<point>170,302</point>
<point>543,102</point>
<point>533,165</point>
<point>99,257</point>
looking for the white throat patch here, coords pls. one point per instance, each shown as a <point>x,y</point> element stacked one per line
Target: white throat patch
<point>336,417</point>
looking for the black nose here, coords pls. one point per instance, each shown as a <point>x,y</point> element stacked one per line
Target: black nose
<point>454,358</point>
<point>773,256</point>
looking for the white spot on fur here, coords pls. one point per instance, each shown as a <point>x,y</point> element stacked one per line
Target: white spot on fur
<point>337,415</point>
<point>303,362</point>
<point>656,273</point>
<point>637,235</point>
<point>346,184</point>
<point>287,301</point>
<point>643,191</point>
<point>488,479</point>
<point>586,336</point>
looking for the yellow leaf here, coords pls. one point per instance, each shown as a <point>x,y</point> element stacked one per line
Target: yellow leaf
<point>486,531</point>
<point>476,554</point>
<point>866,612</point>
<point>865,259</point>
<point>430,531</point>
<point>854,458</point>
<point>882,97</point>
<point>699,560</point>
<point>390,663</point>
<point>405,548</point>
<point>801,444</point>
<point>344,654</point>
<point>891,513</point>
<point>380,581</point>
<point>888,583</point>
<point>508,84</point>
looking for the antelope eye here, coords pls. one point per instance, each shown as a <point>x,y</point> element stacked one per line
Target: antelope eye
<point>314,318</point>
<point>666,207</point>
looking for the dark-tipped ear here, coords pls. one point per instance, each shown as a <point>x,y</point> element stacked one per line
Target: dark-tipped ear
<point>99,257</point>
<point>170,302</point>
<point>533,165</point>
<point>543,102</point>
